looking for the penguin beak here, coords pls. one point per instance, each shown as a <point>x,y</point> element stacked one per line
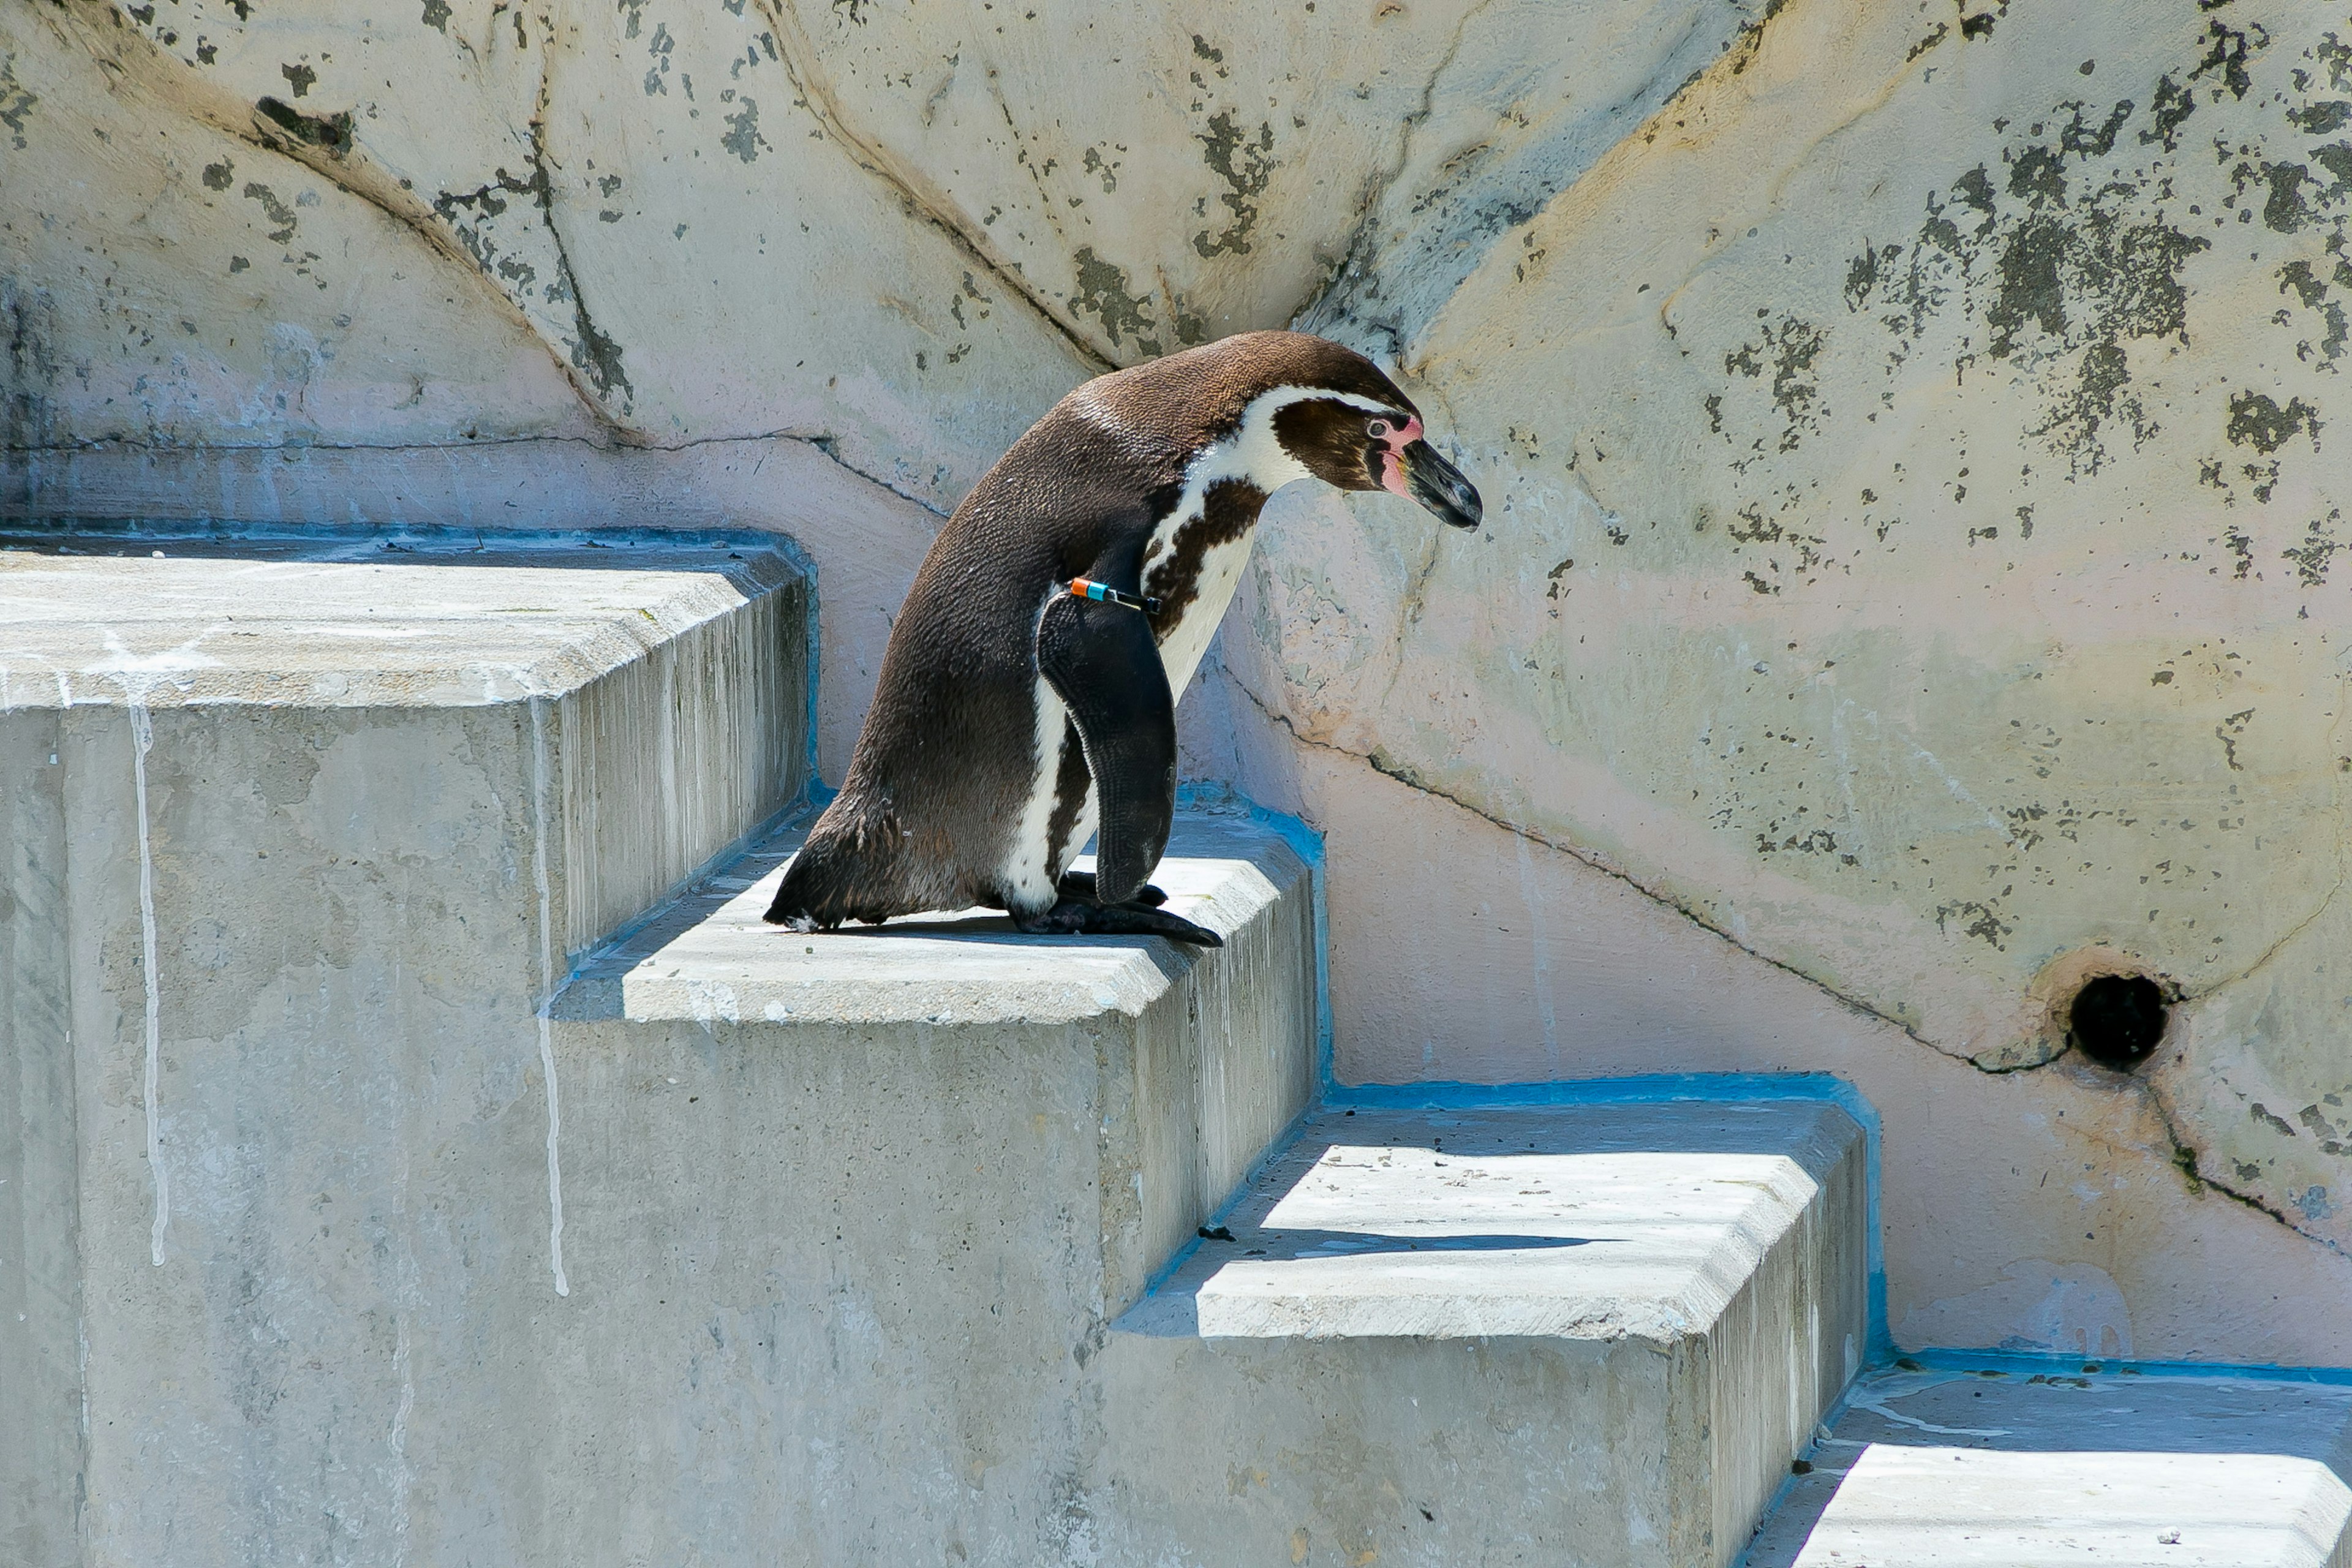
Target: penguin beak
<point>1439,486</point>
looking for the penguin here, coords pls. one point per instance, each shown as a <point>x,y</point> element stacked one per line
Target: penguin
<point>1027,696</point>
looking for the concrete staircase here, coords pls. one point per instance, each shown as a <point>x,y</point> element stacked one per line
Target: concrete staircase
<point>414,1149</point>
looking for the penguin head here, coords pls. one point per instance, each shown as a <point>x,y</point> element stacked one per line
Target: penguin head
<point>1353,441</point>
<point>1276,407</point>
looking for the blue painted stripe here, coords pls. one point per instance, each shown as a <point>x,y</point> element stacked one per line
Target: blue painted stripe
<point>2049,1363</point>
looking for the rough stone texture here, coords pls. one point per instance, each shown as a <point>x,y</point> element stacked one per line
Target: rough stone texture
<point>300,836</point>
<point>1913,555</point>
<point>1716,302</point>
<point>168,281</point>
<point>1593,1334</point>
<point>630,196</point>
<point>1946,1470</point>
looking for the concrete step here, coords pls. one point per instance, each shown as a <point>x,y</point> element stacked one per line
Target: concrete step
<point>1575,1334</point>
<point>300,832</point>
<point>848,1212</point>
<point>2002,1467</point>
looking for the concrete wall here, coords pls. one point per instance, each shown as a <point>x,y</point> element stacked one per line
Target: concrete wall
<point>1911,582</point>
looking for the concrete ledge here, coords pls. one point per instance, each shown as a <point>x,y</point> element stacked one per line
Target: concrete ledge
<point>657,684</point>
<point>710,954</point>
<point>846,1213</point>
<point>299,835</point>
<point>1591,1334</point>
<point>1955,1469</point>
<point>1191,1061</point>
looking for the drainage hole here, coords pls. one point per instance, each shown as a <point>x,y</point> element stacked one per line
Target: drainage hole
<point>2117,1019</point>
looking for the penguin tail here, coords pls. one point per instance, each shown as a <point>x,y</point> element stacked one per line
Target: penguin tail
<point>844,872</point>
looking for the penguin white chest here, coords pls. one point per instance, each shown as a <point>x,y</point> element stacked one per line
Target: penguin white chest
<point>1214,583</point>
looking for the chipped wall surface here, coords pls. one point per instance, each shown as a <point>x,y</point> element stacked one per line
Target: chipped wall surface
<point>1916,561</point>
<point>1908,434</point>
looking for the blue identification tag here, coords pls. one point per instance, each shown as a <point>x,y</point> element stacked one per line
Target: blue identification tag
<point>1104,594</point>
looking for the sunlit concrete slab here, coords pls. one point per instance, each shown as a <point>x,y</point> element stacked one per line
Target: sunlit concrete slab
<point>657,684</point>
<point>1960,1469</point>
<point>1577,1334</point>
<point>300,834</point>
<point>847,1214</point>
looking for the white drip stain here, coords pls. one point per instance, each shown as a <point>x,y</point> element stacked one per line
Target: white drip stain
<point>547,992</point>
<point>138,675</point>
<point>142,736</point>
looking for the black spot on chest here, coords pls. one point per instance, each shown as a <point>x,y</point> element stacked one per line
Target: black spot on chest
<point>1071,782</point>
<point>1228,510</point>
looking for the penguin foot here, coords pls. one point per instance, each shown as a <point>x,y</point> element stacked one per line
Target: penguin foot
<point>1081,884</point>
<point>1083,917</point>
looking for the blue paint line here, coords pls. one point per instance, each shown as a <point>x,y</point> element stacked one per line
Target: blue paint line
<point>2051,1364</point>
<point>784,544</point>
<point>1656,1088</point>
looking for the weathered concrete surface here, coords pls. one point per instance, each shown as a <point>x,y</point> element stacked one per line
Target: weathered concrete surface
<point>2033,1211</point>
<point>905,232</point>
<point>662,683</point>
<point>299,835</point>
<point>1156,183</point>
<point>1914,547</point>
<point>1591,1334</point>
<point>167,281</point>
<point>2034,1470</point>
<point>619,221</point>
<point>866,541</point>
<point>1940,811</point>
<point>847,1215</point>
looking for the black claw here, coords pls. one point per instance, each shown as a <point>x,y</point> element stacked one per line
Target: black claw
<point>1080,917</point>
<point>1081,884</point>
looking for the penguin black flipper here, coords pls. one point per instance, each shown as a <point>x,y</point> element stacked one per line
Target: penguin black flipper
<point>1080,885</point>
<point>1104,663</point>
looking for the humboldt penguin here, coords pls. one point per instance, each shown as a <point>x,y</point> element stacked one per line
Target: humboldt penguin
<point>1028,697</point>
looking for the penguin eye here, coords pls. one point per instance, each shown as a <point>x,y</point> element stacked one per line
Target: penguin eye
<point>1378,429</point>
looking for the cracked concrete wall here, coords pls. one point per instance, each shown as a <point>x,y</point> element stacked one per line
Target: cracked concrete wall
<point>1915,545</point>
<point>1913,562</point>
<point>1907,429</point>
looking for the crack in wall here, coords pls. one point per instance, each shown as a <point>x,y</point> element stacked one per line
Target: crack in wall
<point>797,53</point>
<point>127,58</point>
<point>1389,770</point>
<point>1354,283</point>
<point>824,445</point>
<point>593,354</point>
<point>1322,309</point>
<point>2189,1157</point>
<point>2184,1157</point>
<point>2214,986</point>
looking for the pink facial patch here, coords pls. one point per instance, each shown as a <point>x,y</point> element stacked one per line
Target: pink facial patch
<point>1392,461</point>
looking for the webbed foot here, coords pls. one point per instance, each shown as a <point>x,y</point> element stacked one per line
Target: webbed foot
<point>1081,884</point>
<point>1083,917</point>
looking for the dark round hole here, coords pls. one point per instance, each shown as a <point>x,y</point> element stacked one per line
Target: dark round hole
<point>2117,1019</point>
